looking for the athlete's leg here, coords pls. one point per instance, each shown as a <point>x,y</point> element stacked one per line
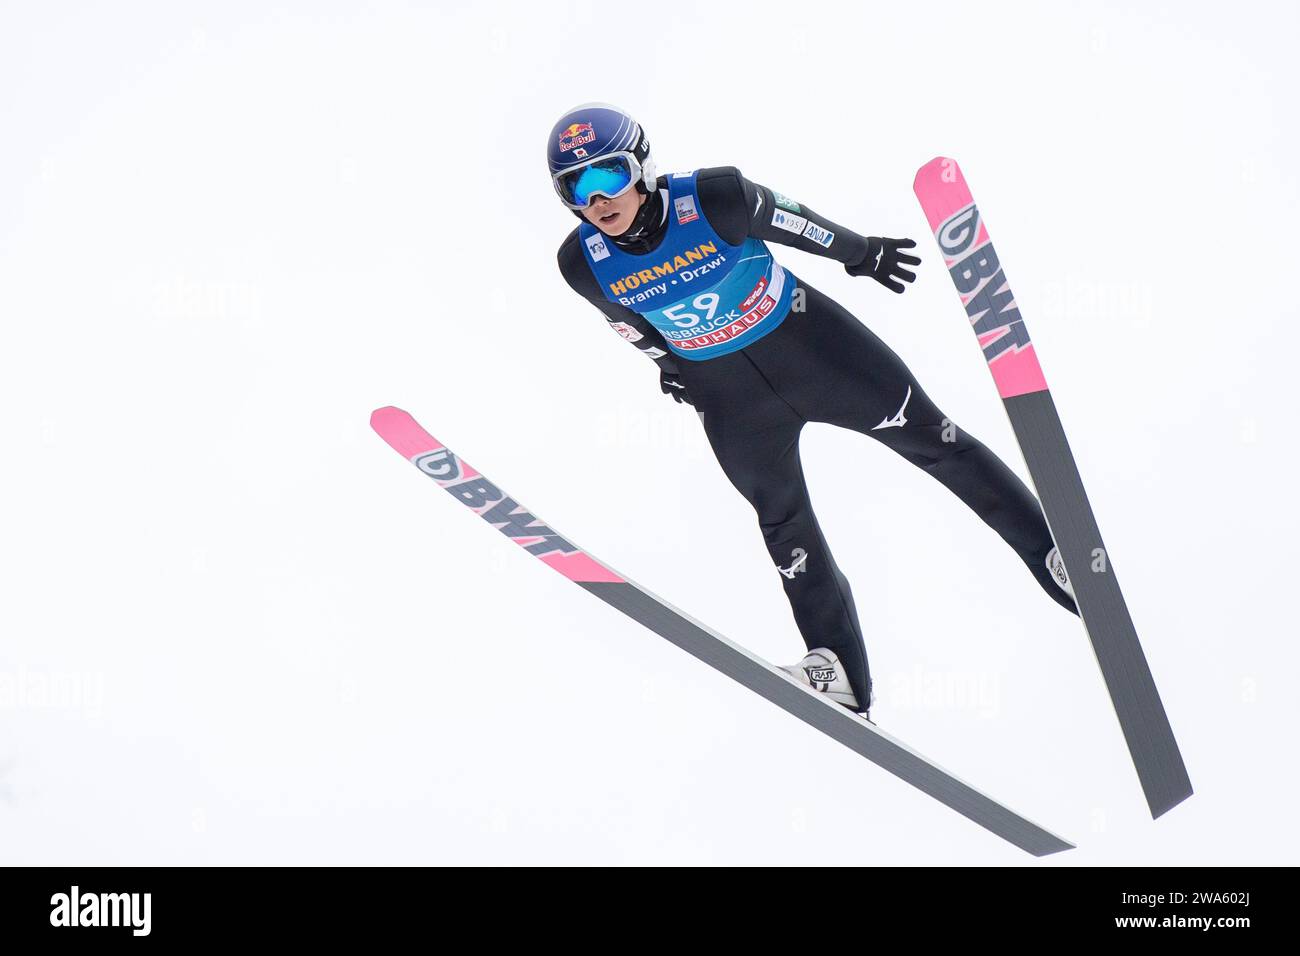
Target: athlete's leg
<point>860,383</point>
<point>755,436</point>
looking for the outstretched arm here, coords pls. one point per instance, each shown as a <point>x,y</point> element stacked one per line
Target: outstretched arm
<point>737,208</point>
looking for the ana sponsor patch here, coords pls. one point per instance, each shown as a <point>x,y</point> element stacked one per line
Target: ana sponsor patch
<point>823,237</point>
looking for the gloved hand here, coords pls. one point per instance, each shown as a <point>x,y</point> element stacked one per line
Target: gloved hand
<point>884,263</point>
<point>672,385</point>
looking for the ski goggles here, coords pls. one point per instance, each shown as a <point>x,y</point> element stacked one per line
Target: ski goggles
<point>609,176</point>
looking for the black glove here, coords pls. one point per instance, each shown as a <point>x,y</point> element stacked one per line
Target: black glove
<point>884,263</point>
<point>672,385</point>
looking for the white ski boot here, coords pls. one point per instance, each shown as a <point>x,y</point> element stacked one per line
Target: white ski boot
<point>820,669</point>
<point>1056,568</point>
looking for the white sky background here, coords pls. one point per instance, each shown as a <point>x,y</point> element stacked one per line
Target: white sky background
<point>235,627</point>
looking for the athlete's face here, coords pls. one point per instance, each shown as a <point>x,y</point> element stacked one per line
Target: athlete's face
<point>614,216</point>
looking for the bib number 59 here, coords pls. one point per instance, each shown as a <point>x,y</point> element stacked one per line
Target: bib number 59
<point>706,302</point>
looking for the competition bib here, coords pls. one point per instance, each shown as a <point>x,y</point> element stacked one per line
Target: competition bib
<point>704,295</point>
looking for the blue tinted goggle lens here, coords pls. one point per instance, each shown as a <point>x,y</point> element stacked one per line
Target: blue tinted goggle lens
<point>609,177</point>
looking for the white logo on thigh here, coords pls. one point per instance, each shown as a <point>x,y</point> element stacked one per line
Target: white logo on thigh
<point>899,420</point>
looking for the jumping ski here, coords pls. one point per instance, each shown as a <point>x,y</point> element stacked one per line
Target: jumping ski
<point>991,307</point>
<point>472,489</point>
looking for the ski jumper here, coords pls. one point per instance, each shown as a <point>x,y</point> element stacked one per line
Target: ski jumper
<point>761,354</point>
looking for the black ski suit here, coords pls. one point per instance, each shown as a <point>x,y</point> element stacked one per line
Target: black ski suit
<point>820,365</point>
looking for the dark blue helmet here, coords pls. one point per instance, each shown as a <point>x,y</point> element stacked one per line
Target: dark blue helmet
<point>601,136</point>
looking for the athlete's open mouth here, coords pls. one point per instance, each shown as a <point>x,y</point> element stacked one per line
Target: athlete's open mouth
<point>609,217</point>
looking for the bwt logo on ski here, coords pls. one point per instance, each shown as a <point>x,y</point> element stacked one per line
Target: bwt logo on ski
<point>494,505</point>
<point>977,274</point>
<point>441,465</point>
<point>102,910</point>
<point>958,232</point>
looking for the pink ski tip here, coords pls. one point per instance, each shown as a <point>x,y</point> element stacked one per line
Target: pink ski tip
<point>939,162</point>
<point>381,418</point>
<point>402,432</point>
<point>942,190</point>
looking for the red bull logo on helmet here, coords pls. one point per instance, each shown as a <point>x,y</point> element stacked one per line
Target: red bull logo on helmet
<point>575,135</point>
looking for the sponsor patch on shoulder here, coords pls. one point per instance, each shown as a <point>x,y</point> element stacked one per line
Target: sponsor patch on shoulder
<point>823,237</point>
<point>785,202</point>
<point>685,175</point>
<point>685,206</point>
<point>783,220</point>
<point>654,352</point>
<point>627,331</point>
<point>597,247</point>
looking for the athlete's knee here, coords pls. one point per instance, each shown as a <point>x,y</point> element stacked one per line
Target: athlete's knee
<point>779,503</point>
<point>781,530</point>
<point>931,446</point>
